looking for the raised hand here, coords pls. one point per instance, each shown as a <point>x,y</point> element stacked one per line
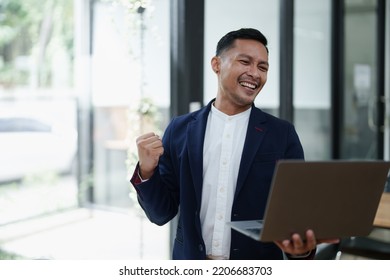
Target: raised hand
<point>150,149</point>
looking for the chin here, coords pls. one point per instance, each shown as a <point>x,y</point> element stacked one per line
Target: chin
<point>245,102</point>
<point>248,99</point>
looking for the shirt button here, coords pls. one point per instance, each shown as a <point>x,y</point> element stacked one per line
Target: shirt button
<point>200,247</point>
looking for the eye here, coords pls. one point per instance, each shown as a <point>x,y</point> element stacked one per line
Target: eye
<point>243,61</point>
<point>263,68</point>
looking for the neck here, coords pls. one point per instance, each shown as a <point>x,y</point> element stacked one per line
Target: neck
<point>228,108</point>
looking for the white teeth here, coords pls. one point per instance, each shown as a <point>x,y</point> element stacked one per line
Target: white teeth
<point>245,84</point>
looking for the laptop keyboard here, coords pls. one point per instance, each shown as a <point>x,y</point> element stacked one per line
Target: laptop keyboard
<point>255,231</point>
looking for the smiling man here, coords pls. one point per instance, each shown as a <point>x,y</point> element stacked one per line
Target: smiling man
<point>216,164</point>
<point>241,67</point>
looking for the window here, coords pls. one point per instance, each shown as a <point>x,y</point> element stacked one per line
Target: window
<point>38,121</point>
<point>312,98</point>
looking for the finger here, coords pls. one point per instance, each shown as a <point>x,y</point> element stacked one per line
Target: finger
<point>154,144</point>
<point>311,241</point>
<point>149,144</point>
<point>158,152</point>
<point>161,151</point>
<point>145,136</point>
<point>284,245</point>
<point>147,140</point>
<point>297,241</point>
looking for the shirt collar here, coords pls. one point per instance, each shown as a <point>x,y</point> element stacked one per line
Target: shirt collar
<point>226,117</point>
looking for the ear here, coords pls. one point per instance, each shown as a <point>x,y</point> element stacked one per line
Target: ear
<point>215,64</point>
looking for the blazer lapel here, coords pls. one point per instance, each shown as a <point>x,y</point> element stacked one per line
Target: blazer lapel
<point>256,130</point>
<point>195,138</point>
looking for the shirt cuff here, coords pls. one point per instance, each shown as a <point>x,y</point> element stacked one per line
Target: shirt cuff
<point>306,256</point>
<point>139,176</point>
<point>136,178</point>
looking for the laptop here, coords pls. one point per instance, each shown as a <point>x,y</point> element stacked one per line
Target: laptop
<point>335,199</point>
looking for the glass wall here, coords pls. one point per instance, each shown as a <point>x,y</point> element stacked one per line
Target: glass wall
<point>222,16</point>
<point>130,89</point>
<point>312,58</point>
<point>359,124</point>
<point>38,109</point>
<point>130,92</point>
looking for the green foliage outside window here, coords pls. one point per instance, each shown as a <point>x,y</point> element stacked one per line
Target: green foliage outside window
<point>32,33</point>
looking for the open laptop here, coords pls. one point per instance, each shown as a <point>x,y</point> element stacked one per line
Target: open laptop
<point>333,198</point>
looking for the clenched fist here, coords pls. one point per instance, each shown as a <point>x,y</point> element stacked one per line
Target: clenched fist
<point>150,149</point>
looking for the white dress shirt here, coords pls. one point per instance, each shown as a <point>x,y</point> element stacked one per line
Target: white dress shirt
<point>222,149</point>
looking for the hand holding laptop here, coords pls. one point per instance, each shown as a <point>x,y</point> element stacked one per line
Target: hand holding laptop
<point>296,246</point>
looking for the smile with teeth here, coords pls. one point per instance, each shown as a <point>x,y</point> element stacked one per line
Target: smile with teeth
<point>248,85</point>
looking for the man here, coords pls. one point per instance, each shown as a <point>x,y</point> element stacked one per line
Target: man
<point>217,163</point>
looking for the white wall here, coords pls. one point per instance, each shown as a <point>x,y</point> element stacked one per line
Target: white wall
<point>312,57</point>
<point>222,16</point>
<point>311,31</point>
<point>117,65</point>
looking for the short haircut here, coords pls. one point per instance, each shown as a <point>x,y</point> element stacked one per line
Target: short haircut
<point>227,41</point>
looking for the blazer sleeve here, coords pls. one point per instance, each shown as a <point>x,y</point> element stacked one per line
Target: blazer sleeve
<point>159,196</point>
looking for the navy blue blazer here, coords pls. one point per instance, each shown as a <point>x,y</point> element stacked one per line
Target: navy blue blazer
<point>177,181</point>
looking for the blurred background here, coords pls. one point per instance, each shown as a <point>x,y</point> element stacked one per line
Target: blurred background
<point>79,80</point>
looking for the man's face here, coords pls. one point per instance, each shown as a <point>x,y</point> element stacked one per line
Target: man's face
<point>242,72</point>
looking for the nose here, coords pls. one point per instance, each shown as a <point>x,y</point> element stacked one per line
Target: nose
<point>253,71</point>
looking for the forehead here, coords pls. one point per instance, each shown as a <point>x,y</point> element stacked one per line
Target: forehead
<point>248,47</point>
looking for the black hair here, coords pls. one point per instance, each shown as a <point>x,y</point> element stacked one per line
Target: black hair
<point>227,41</point>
